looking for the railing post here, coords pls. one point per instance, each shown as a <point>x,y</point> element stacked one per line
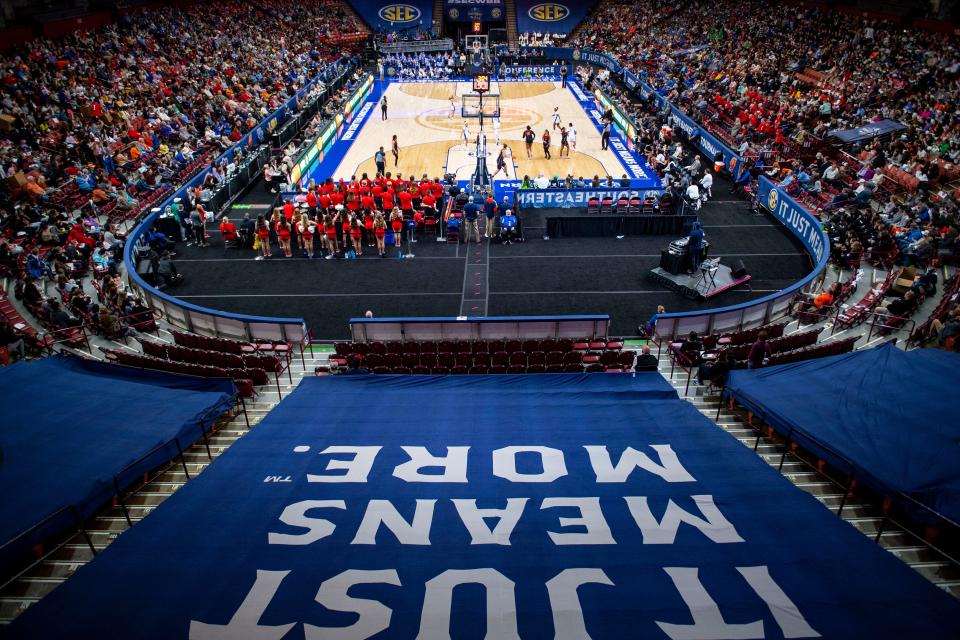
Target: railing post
<point>851,483</point>
<point>786,448</point>
<point>83,529</point>
<point>756,443</point>
<point>183,461</point>
<point>206,440</point>
<point>123,504</point>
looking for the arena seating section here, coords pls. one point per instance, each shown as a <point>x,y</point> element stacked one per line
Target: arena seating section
<point>89,145</point>
<point>489,356</point>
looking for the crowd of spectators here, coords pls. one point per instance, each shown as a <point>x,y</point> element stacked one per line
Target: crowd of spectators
<point>773,84</point>
<point>538,39</point>
<point>98,125</point>
<point>423,66</point>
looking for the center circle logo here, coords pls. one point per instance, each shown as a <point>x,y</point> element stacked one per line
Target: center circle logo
<point>772,200</point>
<point>399,13</point>
<point>548,12</point>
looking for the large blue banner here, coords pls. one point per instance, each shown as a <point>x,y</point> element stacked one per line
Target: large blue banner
<point>395,16</point>
<point>562,16</point>
<point>549,506</point>
<point>622,147</point>
<point>707,143</point>
<point>574,198</point>
<point>594,57</point>
<point>867,131</point>
<point>793,215</point>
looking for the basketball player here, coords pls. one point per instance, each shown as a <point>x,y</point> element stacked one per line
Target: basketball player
<point>564,141</point>
<point>496,130</point>
<point>383,108</point>
<point>502,162</point>
<point>572,136</point>
<point>556,119</point>
<point>395,150</point>
<point>528,137</point>
<point>453,108</point>
<point>466,134</point>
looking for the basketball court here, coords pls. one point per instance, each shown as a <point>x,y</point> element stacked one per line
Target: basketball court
<point>430,133</point>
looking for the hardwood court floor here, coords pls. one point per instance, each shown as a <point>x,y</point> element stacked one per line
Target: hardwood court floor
<point>431,141</point>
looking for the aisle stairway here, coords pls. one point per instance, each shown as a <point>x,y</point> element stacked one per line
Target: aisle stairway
<point>438,17</point>
<point>802,470</point>
<point>59,562</point>
<point>510,9</point>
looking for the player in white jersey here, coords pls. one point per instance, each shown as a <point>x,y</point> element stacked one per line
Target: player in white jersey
<point>496,130</point>
<point>556,118</point>
<point>453,108</point>
<point>466,134</point>
<point>572,137</point>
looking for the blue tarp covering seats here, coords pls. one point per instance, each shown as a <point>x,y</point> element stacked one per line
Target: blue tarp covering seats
<point>364,500</point>
<point>69,425</point>
<point>868,131</point>
<point>892,414</point>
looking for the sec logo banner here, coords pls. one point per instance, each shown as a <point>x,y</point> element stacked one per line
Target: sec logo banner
<point>399,13</point>
<point>773,199</point>
<point>548,12</point>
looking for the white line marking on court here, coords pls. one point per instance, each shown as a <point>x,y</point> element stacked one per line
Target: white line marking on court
<point>635,255</point>
<point>313,295</point>
<point>494,257</point>
<point>281,260</point>
<point>604,292</point>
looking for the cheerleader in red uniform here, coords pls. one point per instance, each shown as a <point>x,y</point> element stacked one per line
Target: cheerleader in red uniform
<point>345,220</point>
<point>396,223</point>
<point>263,235</point>
<point>283,236</point>
<point>306,228</point>
<point>356,235</point>
<point>330,231</point>
<point>368,227</point>
<point>380,230</point>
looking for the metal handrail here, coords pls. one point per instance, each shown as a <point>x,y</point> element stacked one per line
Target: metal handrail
<point>877,314</point>
<point>116,476</point>
<point>72,509</point>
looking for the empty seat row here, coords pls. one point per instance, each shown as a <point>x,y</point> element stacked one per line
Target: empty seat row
<point>478,346</point>
<point>498,369</point>
<point>779,345</point>
<point>633,206</point>
<point>226,345</point>
<point>748,336</point>
<point>255,375</point>
<point>819,351</point>
<point>212,358</point>
<point>623,359</point>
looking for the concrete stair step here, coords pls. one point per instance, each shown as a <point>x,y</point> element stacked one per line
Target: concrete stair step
<point>32,588</point>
